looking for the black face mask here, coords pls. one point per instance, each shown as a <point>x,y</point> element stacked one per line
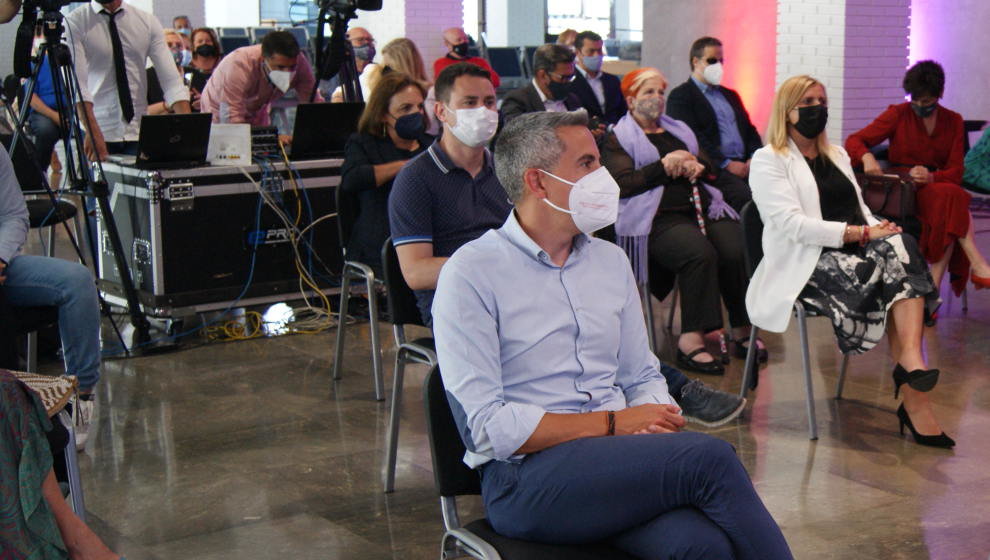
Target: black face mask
<point>925,111</point>
<point>460,49</point>
<point>811,120</point>
<point>559,91</point>
<point>103,2</point>
<point>206,51</point>
<point>411,126</point>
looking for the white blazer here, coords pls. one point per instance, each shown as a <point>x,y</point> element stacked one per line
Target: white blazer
<point>794,234</point>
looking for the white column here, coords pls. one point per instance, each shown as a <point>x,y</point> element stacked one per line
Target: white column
<point>811,38</point>
<point>425,22</point>
<point>513,23</point>
<point>231,13</point>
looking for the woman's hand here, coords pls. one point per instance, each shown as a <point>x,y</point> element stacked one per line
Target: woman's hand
<point>673,163</point>
<point>884,229</point>
<point>693,169</point>
<point>870,165</point>
<point>920,175</point>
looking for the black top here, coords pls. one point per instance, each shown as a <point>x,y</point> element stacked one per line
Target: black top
<point>632,181</point>
<point>366,203</point>
<point>836,193</point>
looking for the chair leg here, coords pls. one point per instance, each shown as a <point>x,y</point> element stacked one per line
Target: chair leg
<point>72,468</point>
<point>750,367</point>
<point>32,352</point>
<point>392,439</point>
<point>842,377</point>
<point>50,249</point>
<point>345,295</point>
<point>647,299</point>
<point>965,300</point>
<point>376,343</point>
<point>673,308</point>
<point>806,364</point>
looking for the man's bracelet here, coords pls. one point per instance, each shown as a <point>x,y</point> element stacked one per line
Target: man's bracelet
<point>611,423</point>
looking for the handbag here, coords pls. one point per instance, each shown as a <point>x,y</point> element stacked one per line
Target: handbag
<point>890,196</point>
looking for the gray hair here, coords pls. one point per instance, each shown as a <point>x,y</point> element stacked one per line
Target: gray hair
<point>530,141</point>
<point>548,56</point>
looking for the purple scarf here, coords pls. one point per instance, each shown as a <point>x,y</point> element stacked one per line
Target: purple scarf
<point>632,228</point>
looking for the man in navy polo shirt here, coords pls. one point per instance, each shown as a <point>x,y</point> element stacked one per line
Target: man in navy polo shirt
<point>449,194</point>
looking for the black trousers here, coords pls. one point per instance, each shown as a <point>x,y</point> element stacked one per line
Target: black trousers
<point>710,269</point>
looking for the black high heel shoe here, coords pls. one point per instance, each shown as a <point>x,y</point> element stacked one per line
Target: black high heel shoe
<point>940,440</point>
<point>923,380</point>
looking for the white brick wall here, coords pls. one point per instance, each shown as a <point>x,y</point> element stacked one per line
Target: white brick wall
<point>425,22</point>
<point>876,56</point>
<point>811,40</point>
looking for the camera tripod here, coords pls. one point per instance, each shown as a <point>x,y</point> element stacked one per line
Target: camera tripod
<point>84,177</point>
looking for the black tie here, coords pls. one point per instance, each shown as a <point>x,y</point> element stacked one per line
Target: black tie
<point>123,88</point>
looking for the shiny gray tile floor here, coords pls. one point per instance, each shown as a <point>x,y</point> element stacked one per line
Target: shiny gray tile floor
<point>248,450</point>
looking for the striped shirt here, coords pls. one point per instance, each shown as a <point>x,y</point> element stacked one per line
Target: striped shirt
<point>434,201</point>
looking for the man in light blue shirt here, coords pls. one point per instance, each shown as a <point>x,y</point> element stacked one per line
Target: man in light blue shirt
<point>559,401</point>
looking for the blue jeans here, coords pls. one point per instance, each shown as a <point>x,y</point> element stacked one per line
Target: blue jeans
<point>40,281</point>
<point>46,134</point>
<point>683,495</point>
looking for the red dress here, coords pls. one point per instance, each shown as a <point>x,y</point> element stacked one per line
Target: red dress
<point>943,205</point>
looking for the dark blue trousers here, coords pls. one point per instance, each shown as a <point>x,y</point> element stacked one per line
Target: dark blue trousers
<point>682,496</point>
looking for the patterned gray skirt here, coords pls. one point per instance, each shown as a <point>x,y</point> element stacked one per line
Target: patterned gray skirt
<point>856,286</point>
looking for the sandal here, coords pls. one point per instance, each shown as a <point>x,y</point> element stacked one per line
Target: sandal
<point>686,361</point>
<point>742,347</point>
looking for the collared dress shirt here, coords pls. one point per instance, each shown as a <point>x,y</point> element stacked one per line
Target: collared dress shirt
<point>597,87</point>
<point>239,90</point>
<point>728,130</point>
<point>435,201</point>
<point>141,36</point>
<point>13,211</point>
<point>551,105</point>
<point>518,336</point>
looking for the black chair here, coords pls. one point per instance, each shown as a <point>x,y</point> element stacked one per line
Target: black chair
<point>353,270</point>
<point>752,226</point>
<point>453,478</point>
<point>42,212</point>
<point>403,311</point>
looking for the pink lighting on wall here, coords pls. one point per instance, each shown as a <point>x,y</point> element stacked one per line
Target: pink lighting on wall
<point>749,33</point>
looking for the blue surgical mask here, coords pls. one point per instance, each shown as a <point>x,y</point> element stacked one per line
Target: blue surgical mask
<point>592,63</point>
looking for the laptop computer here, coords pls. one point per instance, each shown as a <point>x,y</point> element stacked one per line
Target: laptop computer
<point>173,141</point>
<point>322,129</point>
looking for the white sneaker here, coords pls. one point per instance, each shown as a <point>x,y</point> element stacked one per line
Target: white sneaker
<point>82,417</point>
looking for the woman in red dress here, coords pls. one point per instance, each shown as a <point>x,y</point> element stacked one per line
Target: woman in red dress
<point>926,144</point>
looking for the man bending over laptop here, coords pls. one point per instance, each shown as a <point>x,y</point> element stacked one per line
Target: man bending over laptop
<point>559,400</point>
<point>248,80</point>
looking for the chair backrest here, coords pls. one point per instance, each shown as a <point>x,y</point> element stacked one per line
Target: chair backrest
<point>401,300</point>
<point>452,476</point>
<point>752,226</point>
<point>347,210</point>
<point>29,177</point>
<point>971,126</point>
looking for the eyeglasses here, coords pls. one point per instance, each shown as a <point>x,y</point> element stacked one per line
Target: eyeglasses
<point>713,60</point>
<point>562,78</point>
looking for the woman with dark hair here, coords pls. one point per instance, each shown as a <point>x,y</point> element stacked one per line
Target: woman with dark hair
<point>391,131</point>
<point>926,146</point>
<point>206,54</point>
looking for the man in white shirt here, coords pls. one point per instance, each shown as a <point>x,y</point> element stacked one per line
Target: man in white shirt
<point>111,42</point>
<point>600,92</point>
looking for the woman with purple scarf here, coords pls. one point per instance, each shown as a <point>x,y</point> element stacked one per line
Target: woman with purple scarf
<point>672,221</point>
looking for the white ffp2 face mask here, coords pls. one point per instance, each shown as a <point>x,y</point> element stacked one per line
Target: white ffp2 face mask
<point>474,126</point>
<point>282,79</point>
<point>713,73</point>
<point>594,200</point>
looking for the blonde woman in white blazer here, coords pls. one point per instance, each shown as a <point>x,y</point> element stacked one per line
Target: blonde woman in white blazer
<point>822,246</point>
